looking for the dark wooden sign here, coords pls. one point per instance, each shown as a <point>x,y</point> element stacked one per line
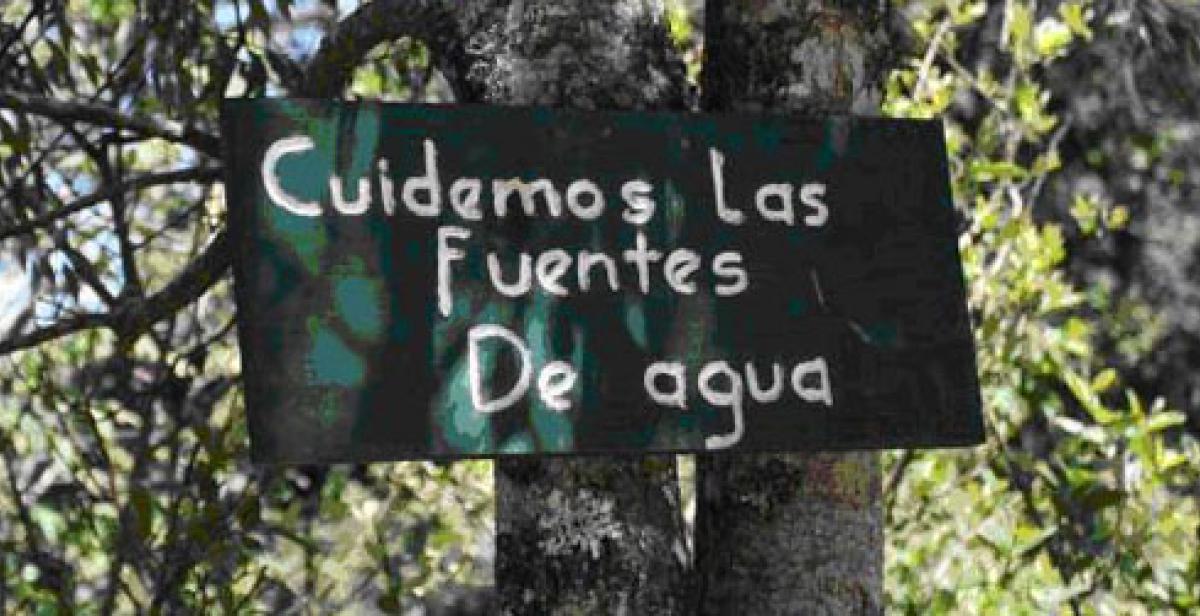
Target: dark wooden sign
<point>443,281</point>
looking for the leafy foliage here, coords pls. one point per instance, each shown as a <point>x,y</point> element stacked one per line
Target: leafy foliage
<point>1083,498</point>
<point>124,477</point>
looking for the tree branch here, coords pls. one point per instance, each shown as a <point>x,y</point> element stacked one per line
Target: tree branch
<point>85,270</point>
<point>135,315</point>
<point>64,327</point>
<point>434,22</point>
<point>100,115</point>
<point>195,174</point>
<point>195,280</point>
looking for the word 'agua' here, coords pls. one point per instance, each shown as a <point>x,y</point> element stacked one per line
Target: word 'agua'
<point>718,382</point>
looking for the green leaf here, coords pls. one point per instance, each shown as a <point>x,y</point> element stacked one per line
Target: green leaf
<point>1166,419</point>
<point>1118,218</point>
<point>1085,211</point>
<point>1020,24</point>
<point>1072,14</point>
<point>1051,37</point>
<point>1104,381</point>
<point>1092,434</point>
<point>987,171</point>
<point>111,11</point>
<point>1028,540</point>
<point>1136,410</point>
<point>1085,394</point>
<point>679,23</point>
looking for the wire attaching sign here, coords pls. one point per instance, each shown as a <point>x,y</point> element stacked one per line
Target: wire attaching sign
<point>440,281</point>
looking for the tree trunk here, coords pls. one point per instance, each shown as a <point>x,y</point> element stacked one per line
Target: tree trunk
<point>583,536</point>
<point>791,534</point>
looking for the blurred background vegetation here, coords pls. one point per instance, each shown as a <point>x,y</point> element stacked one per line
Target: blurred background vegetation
<point>1074,137</point>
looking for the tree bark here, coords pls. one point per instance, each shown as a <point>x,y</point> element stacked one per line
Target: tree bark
<point>577,536</point>
<point>583,536</point>
<point>776,534</point>
<point>791,534</point>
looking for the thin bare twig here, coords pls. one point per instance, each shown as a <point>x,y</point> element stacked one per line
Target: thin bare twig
<point>99,115</point>
<point>194,174</point>
<point>434,22</point>
<point>134,315</point>
<point>930,53</point>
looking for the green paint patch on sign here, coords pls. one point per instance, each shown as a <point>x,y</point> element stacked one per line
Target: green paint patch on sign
<point>452,281</point>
